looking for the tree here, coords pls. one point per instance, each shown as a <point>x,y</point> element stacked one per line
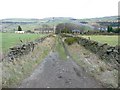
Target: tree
<point>116,30</point>
<point>19,28</point>
<point>109,29</point>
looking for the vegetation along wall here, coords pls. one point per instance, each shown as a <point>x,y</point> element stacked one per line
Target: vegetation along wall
<point>106,52</point>
<point>24,49</point>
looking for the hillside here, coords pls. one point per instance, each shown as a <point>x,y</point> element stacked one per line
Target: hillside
<point>30,24</point>
<point>11,24</point>
<point>101,19</point>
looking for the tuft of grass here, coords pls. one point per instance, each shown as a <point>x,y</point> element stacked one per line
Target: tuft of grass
<point>70,40</point>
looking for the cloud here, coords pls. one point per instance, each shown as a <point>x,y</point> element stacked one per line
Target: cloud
<point>58,8</point>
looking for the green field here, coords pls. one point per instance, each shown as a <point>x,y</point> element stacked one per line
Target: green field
<point>110,40</point>
<point>11,39</point>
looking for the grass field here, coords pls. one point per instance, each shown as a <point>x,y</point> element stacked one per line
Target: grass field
<point>11,39</point>
<point>111,40</point>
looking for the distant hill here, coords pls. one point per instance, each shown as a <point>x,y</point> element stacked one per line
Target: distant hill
<point>29,24</point>
<point>19,20</point>
<point>56,20</point>
<point>107,18</point>
<point>101,19</point>
<point>11,24</point>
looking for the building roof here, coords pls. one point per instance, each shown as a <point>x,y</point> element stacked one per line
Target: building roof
<point>75,30</point>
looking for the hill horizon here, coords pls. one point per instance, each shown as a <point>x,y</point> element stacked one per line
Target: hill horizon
<point>59,17</point>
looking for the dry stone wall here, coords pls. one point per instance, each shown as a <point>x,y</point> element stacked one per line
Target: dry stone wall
<point>104,51</point>
<point>24,49</point>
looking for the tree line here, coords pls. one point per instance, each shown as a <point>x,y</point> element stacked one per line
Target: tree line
<point>110,29</point>
<point>68,27</point>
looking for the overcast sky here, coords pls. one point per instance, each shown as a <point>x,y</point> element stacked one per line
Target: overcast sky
<point>57,8</point>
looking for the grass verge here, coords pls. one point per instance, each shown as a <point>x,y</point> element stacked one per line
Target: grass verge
<point>60,49</point>
<point>14,72</point>
<point>94,66</point>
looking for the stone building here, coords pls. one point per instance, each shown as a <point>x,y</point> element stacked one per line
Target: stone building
<point>45,30</point>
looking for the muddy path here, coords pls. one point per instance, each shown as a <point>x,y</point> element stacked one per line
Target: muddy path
<point>56,73</point>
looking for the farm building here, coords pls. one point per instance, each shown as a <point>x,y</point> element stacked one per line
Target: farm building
<point>20,32</point>
<point>40,30</point>
<point>98,27</point>
<point>75,31</point>
<point>44,30</point>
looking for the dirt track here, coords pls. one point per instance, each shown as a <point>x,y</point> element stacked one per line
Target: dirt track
<point>56,73</point>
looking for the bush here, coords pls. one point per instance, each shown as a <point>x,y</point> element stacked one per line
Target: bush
<point>70,40</point>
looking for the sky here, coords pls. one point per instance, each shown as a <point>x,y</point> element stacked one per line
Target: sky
<point>58,8</point>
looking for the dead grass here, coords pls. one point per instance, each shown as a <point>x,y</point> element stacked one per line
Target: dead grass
<point>94,66</point>
<point>14,72</point>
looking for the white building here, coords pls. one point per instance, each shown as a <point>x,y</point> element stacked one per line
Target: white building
<point>20,32</point>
